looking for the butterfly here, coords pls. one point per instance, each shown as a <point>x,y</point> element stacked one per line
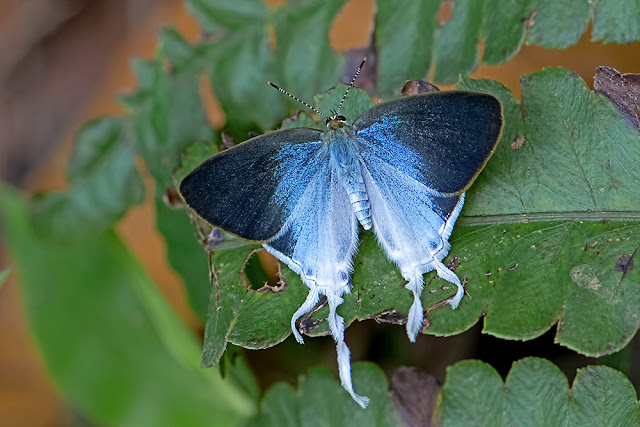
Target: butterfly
<point>401,169</point>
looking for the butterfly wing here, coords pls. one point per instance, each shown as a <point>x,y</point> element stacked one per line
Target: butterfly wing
<point>419,154</point>
<point>280,188</point>
<point>251,189</point>
<point>442,139</point>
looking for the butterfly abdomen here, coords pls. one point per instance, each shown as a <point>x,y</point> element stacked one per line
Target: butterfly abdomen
<point>346,165</point>
<point>359,200</point>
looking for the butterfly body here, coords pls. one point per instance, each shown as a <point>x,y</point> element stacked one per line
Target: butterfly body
<point>346,164</point>
<point>401,169</point>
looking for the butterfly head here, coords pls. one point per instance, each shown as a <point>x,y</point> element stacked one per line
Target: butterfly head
<point>336,121</point>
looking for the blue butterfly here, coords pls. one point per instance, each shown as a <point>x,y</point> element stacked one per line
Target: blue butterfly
<point>401,169</point>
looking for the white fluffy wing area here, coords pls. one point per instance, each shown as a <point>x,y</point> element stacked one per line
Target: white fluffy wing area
<point>318,242</point>
<point>412,222</point>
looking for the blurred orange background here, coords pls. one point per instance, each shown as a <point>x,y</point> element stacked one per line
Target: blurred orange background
<point>63,62</point>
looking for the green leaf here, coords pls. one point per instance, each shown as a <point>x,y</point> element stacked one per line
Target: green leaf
<point>186,255</point>
<point>504,29</point>
<point>243,61</point>
<point>616,21</point>
<point>456,48</point>
<point>558,24</point>
<point>108,339</point>
<point>239,68</point>
<point>179,53</point>
<point>239,372</point>
<point>404,36</point>
<point>410,40</point>
<point>472,395</point>
<point>305,62</point>
<point>104,183</point>
<point>603,396</point>
<point>522,277</point>
<point>280,406</point>
<point>535,393</point>
<point>167,117</point>
<point>234,15</point>
<point>321,401</point>
<point>562,167</point>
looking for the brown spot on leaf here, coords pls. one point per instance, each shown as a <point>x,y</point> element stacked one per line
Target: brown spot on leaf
<point>530,20</point>
<point>306,321</point>
<point>426,322</point>
<point>623,90</point>
<point>453,263</point>
<point>590,246</point>
<point>414,394</point>
<point>415,87</point>
<point>518,143</point>
<point>513,267</point>
<point>445,12</point>
<point>390,316</point>
<point>625,264</point>
<point>213,278</point>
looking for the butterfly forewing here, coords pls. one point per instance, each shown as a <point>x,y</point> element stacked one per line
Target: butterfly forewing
<point>440,139</point>
<point>251,189</point>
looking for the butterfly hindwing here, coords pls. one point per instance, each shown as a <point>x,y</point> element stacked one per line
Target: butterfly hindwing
<point>442,139</point>
<point>412,223</point>
<point>419,155</point>
<point>251,189</point>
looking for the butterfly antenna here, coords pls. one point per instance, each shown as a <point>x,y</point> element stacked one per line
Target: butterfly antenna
<point>297,99</point>
<point>351,84</point>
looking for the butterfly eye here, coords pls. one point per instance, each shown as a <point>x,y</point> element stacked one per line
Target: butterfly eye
<point>328,120</point>
<point>341,118</point>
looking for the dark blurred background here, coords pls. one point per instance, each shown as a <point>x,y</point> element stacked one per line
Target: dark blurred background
<point>63,62</point>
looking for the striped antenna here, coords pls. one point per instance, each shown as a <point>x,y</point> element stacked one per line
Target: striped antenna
<point>350,85</point>
<point>298,99</point>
